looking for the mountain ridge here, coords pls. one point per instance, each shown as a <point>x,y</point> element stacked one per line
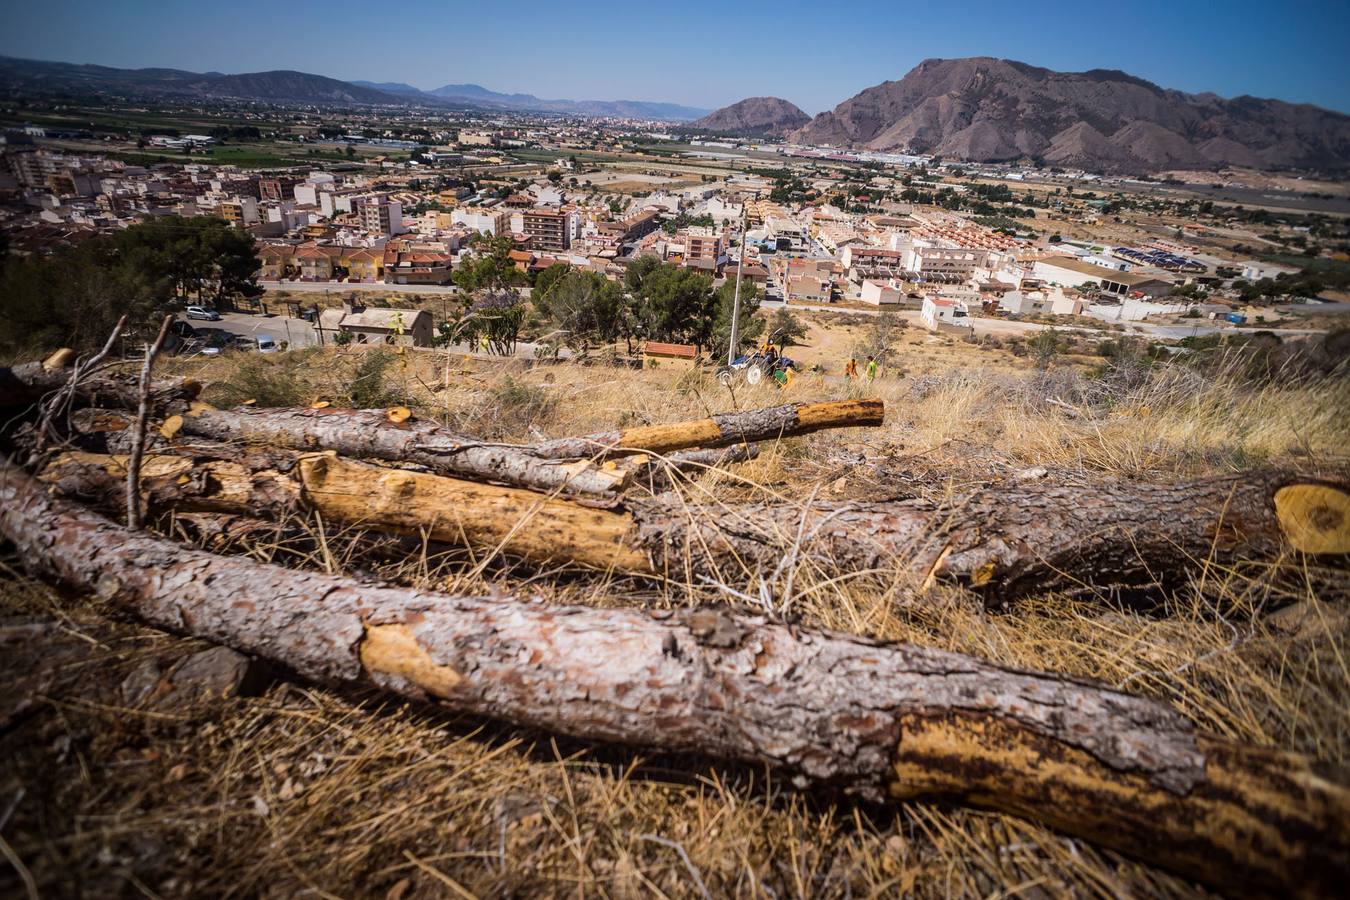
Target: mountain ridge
<point>984,109</point>
<point>288,85</point>
<point>754,115</point>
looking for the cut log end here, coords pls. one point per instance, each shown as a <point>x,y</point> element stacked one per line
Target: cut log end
<point>1315,518</point>
<point>61,359</point>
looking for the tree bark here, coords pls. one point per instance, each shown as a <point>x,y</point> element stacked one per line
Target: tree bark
<point>369,434</point>
<point>1004,542</point>
<point>719,430</point>
<point>27,383</point>
<point>1013,539</point>
<point>879,720</point>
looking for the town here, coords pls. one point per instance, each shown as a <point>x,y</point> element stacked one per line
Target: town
<point>384,210</point>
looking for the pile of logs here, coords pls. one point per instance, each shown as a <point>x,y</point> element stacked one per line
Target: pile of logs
<point>886,722</point>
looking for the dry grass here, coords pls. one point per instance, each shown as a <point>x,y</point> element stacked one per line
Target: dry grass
<point>309,792</point>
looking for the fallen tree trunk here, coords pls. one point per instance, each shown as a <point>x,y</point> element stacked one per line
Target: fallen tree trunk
<point>30,382</point>
<point>370,434</point>
<point>1007,541</point>
<point>719,430</point>
<point>279,484</point>
<point>879,720</point>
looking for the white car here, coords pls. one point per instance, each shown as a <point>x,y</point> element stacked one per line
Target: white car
<point>201,312</point>
<point>267,345</point>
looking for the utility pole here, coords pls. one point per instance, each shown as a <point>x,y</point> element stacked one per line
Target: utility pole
<point>736,297</point>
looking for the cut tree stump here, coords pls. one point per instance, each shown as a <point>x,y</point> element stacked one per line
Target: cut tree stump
<point>878,720</point>
<point>720,430</point>
<point>1007,541</point>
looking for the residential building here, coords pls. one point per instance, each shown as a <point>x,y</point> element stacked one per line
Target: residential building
<point>489,221</point>
<point>547,229</point>
<point>881,293</point>
<point>379,214</point>
<point>941,314</point>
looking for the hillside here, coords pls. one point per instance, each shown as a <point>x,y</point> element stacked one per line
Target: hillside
<point>987,110</point>
<point>280,85</point>
<point>282,783</point>
<point>303,87</point>
<point>755,115</point>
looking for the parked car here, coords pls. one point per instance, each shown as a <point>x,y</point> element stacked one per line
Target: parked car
<point>201,312</point>
<point>266,344</point>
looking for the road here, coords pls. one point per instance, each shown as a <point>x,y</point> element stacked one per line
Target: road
<point>296,332</point>
<point>334,287</point>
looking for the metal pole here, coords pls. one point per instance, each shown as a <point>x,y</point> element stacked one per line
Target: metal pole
<point>736,298</point>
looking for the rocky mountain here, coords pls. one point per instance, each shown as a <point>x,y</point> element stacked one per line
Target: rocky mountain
<point>754,115</point>
<point>990,110</point>
<point>287,86</point>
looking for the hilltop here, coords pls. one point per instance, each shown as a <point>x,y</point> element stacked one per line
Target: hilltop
<point>986,110</point>
<point>755,115</point>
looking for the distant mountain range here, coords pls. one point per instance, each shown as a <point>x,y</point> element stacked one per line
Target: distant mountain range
<point>301,87</point>
<point>754,115</point>
<point>979,109</point>
<point>987,110</point>
<point>475,95</point>
<point>277,86</point>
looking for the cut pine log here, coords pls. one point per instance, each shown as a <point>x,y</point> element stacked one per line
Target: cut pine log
<point>370,434</point>
<point>30,382</point>
<point>719,430</point>
<point>1005,542</point>
<point>879,720</point>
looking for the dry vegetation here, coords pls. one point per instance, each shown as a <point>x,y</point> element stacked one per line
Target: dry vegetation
<point>305,792</point>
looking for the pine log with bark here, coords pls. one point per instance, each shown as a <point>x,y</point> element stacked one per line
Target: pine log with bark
<point>879,720</point>
<point>1005,541</point>
<point>720,430</point>
<point>370,434</point>
<point>28,383</point>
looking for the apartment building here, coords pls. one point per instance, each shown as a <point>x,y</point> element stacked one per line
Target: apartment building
<point>279,188</point>
<point>708,247</point>
<point>946,265</point>
<point>378,214</point>
<point>547,229</point>
<point>239,211</point>
<point>489,221</point>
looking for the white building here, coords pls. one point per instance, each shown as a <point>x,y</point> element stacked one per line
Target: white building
<point>938,312</point>
<point>880,293</point>
<point>491,222</point>
<point>788,234</point>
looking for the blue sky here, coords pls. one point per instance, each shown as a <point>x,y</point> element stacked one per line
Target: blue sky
<point>815,54</point>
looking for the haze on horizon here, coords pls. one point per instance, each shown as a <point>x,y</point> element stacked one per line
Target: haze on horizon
<point>712,55</point>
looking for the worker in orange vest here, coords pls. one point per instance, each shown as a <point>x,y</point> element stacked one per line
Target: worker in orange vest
<point>851,369</point>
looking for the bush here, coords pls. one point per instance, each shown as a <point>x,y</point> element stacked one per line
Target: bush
<point>370,387</point>
<point>265,381</point>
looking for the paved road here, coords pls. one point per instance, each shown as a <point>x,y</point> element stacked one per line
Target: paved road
<point>333,287</point>
<point>298,332</point>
